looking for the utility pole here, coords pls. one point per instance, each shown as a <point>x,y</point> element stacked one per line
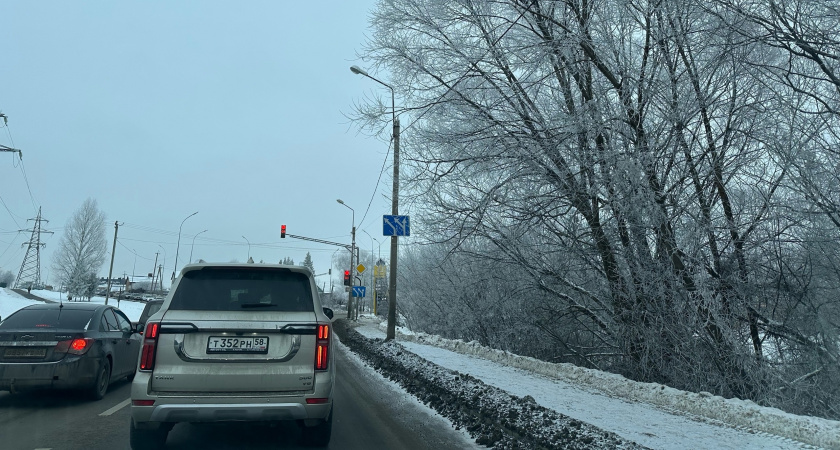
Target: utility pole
<point>392,288</point>
<point>351,306</point>
<point>111,270</point>
<point>152,286</point>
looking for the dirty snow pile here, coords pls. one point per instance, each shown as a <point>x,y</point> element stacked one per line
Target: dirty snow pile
<point>766,426</point>
<point>490,415</point>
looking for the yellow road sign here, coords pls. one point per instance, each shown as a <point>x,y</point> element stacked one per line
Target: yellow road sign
<point>360,268</point>
<point>379,271</point>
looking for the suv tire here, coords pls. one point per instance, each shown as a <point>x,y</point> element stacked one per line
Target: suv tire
<point>317,435</point>
<point>147,439</point>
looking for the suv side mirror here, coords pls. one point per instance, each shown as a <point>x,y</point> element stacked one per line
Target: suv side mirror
<point>328,312</point>
<point>138,327</point>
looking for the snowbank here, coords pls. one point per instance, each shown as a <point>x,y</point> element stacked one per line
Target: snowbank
<point>736,412</point>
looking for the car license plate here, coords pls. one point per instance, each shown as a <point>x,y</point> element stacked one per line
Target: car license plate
<point>25,352</point>
<point>237,344</point>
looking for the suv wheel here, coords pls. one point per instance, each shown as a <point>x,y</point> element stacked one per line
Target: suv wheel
<point>147,439</point>
<point>318,435</point>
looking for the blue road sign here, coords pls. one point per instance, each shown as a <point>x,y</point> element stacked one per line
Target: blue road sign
<point>358,291</point>
<point>395,226</point>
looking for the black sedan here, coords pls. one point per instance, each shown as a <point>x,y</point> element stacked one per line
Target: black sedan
<point>67,346</point>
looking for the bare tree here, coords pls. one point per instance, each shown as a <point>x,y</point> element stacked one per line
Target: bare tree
<point>7,277</point>
<point>82,249</point>
<point>629,165</point>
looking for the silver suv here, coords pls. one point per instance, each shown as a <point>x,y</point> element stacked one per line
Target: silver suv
<point>236,342</point>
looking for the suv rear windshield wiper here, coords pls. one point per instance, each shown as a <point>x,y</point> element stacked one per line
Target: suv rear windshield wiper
<point>256,305</point>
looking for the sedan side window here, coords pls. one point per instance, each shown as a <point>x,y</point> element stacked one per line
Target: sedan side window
<point>112,321</point>
<point>103,324</point>
<point>124,323</point>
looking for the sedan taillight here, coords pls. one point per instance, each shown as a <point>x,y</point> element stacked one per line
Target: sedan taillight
<point>147,354</point>
<point>322,345</point>
<point>78,346</point>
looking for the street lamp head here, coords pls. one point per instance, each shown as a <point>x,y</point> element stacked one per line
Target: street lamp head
<point>358,71</point>
<point>340,201</point>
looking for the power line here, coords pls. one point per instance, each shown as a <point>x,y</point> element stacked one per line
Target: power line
<point>10,212</point>
<point>20,158</point>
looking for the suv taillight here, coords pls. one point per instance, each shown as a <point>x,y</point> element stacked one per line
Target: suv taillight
<point>322,345</point>
<point>150,337</point>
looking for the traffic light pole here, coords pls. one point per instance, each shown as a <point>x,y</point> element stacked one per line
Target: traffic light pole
<point>351,310</point>
<point>351,247</point>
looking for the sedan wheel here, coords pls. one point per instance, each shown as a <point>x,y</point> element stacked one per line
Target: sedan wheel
<point>103,379</point>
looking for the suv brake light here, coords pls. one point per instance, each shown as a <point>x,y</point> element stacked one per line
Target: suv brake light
<point>147,354</point>
<point>322,345</point>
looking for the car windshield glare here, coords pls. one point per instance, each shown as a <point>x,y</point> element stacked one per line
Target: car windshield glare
<point>237,289</point>
<point>49,318</point>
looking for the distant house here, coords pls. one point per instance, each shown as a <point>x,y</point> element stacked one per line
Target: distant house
<point>138,284</point>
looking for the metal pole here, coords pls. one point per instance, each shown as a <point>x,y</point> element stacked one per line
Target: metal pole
<point>154,273</point>
<point>249,248</point>
<point>392,288</point>
<point>193,246</point>
<point>353,269</point>
<point>178,248</point>
<point>161,266</point>
<point>111,270</point>
<point>350,314</point>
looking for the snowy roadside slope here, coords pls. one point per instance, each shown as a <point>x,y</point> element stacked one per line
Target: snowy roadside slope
<point>10,302</point>
<point>754,426</point>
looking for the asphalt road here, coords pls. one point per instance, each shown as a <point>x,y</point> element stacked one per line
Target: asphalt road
<point>370,413</point>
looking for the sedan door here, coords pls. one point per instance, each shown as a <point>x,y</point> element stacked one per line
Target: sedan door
<point>113,339</point>
<point>129,345</point>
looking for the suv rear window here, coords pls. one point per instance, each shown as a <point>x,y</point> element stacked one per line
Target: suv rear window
<point>243,289</point>
<point>49,318</point>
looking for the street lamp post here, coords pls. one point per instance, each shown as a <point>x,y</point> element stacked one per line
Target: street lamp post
<point>193,246</point>
<point>350,305</point>
<point>178,248</point>
<point>249,248</point>
<point>392,280</point>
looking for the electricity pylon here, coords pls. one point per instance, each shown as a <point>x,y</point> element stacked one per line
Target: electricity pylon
<point>30,269</point>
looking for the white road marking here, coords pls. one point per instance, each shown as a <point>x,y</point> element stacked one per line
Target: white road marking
<point>116,408</point>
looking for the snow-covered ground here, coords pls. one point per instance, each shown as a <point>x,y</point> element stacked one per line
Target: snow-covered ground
<point>652,415</point>
<point>649,414</point>
<point>10,302</point>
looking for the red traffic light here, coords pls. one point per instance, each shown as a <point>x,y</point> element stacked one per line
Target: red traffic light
<point>282,231</point>
<point>347,278</point>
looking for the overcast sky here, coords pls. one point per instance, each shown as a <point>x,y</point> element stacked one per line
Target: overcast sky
<point>160,109</point>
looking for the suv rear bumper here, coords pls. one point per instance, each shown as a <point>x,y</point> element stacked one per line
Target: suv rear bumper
<point>219,412</point>
<point>224,407</point>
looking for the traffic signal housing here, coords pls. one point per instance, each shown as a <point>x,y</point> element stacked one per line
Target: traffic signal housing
<point>347,278</point>
<point>282,231</point>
